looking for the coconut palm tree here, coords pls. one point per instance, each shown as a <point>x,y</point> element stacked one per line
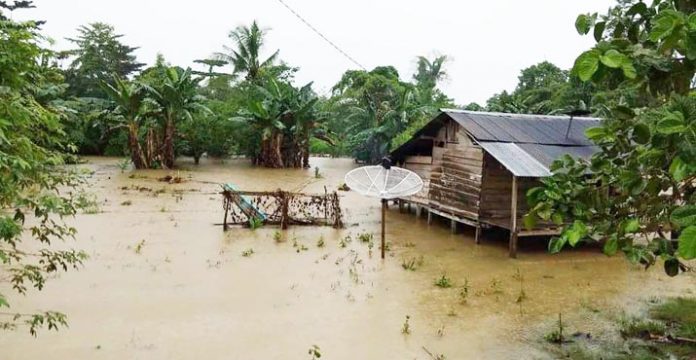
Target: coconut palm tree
<point>129,98</point>
<point>246,56</point>
<point>429,73</point>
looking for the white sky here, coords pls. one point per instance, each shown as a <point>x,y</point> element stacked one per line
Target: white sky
<point>489,41</point>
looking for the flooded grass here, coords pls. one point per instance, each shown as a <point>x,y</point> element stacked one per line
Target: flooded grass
<point>189,292</point>
<point>667,330</point>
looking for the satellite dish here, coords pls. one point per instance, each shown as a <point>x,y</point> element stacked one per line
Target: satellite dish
<point>385,182</point>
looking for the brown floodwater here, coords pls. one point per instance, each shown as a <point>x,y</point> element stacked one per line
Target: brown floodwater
<point>164,282</point>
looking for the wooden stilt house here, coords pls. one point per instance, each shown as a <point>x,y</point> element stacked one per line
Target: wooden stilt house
<point>478,166</point>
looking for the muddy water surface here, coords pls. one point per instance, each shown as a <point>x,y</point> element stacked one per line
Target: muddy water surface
<point>164,282</point>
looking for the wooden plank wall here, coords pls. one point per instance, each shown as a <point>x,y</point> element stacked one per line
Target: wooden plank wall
<point>496,195</point>
<point>421,165</point>
<point>455,181</point>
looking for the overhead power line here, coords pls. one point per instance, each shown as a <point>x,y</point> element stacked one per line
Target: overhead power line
<point>322,35</point>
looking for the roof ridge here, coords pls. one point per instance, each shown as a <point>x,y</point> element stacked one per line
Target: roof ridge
<point>530,116</point>
<point>536,143</point>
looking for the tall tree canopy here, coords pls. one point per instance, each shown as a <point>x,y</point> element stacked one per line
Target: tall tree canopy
<point>374,111</point>
<point>246,56</point>
<point>636,194</point>
<point>373,103</point>
<point>544,88</point>
<point>99,54</point>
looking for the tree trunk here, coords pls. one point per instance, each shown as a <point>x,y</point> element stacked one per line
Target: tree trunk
<point>277,148</point>
<point>168,143</point>
<point>271,155</point>
<point>305,155</point>
<point>136,150</point>
<point>150,147</point>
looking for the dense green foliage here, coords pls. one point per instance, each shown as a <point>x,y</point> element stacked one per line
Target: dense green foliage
<point>639,187</point>
<point>98,56</point>
<point>544,89</point>
<point>36,193</point>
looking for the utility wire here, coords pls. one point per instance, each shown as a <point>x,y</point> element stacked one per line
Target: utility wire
<point>321,35</point>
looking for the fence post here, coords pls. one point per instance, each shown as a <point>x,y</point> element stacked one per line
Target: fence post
<point>226,205</point>
<point>284,209</point>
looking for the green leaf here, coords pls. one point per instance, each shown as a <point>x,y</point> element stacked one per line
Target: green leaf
<point>595,133</point>
<point>623,112</point>
<point>672,123</point>
<point>534,195</point>
<point>632,226</point>
<point>611,246</point>
<point>529,221</point>
<point>576,232</point>
<point>678,169</point>
<point>629,70</point>
<point>587,64</point>
<point>691,21</point>
<point>556,244</point>
<point>583,23</point>
<point>639,8</point>
<point>690,45</point>
<point>557,218</point>
<point>663,25</point>
<point>3,301</point>
<point>613,59</point>
<point>684,216</point>
<point>641,133</point>
<point>599,30</point>
<point>687,243</point>
<point>637,186</point>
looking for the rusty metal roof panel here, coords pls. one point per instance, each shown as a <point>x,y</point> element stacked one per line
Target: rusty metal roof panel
<point>522,128</point>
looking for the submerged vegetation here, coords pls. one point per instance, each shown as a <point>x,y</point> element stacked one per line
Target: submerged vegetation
<point>443,282</point>
<point>667,331</point>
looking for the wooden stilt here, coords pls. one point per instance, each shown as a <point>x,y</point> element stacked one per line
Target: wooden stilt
<point>418,211</point>
<point>384,215</point>
<point>401,206</point>
<point>409,207</point>
<point>430,217</point>
<point>477,236</point>
<point>453,226</point>
<point>513,219</point>
<point>513,245</point>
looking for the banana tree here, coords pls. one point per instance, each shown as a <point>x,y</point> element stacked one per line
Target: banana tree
<point>129,98</point>
<point>177,97</point>
<point>286,117</point>
<point>263,113</point>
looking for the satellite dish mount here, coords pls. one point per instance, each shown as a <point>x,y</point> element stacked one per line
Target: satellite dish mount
<point>386,182</point>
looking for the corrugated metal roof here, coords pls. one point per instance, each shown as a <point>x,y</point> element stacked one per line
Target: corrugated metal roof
<point>515,159</point>
<point>526,145</point>
<point>522,128</point>
<point>547,154</point>
<point>532,160</point>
